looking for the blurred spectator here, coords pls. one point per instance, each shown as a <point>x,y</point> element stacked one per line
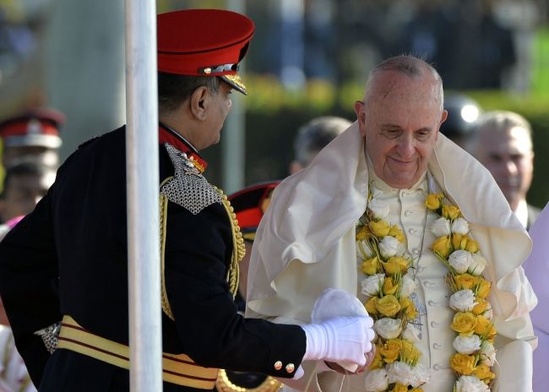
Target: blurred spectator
<point>463,111</point>
<point>502,142</point>
<point>24,185</point>
<point>314,136</point>
<point>32,135</point>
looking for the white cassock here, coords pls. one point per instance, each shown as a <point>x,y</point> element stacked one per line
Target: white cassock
<point>537,271</point>
<point>306,243</point>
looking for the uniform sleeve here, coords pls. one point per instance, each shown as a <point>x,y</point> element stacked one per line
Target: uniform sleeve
<point>212,331</point>
<point>28,281</point>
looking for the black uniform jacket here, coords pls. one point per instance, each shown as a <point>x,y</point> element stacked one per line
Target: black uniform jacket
<point>69,257</point>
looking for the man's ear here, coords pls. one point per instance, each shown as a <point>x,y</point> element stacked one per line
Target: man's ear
<point>199,102</point>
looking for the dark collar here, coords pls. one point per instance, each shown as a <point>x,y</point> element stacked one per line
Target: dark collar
<point>168,135</point>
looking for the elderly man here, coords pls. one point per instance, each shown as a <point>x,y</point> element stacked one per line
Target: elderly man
<point>395,214</point>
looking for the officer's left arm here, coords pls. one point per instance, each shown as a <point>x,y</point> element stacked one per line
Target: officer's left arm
<point>28,284</point>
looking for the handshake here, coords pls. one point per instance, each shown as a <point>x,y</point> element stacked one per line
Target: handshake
<point>341,331</point>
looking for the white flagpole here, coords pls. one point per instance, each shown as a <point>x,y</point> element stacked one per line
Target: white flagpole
<point>145,326</point>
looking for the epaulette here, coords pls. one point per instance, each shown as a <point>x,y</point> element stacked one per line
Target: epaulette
<point>85,143</point>
<point>188,188</point>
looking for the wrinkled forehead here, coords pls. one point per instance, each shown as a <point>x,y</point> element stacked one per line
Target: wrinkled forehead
<point>389,87</point>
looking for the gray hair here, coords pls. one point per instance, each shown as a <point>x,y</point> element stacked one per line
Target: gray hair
<point>315,135</point>
<point>499,121</point>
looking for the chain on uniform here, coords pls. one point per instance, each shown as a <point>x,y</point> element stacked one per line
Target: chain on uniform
<point>188,188</point>
<point>49,336</point>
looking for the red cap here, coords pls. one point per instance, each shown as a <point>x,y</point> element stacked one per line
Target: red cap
<point>204,42</point>
<point>249,205</point>
<point>36,127</point>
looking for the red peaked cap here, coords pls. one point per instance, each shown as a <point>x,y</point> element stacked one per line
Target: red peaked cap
<point>204,42</point>
<point>35,127</point>
<point>249,205</point>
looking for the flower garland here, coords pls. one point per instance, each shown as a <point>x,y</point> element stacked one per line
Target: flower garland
<point>460,253</point>
<point>381,252</point>
<point>388,286</point>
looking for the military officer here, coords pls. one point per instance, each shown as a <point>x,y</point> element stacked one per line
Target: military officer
<point>32,135</point>
<point>67,260</point>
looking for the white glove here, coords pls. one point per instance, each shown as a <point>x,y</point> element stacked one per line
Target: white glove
<point>342,339</point>
<point>334,303</point>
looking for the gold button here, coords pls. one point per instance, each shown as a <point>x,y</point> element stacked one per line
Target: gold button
<point>290,368</point>
<point>278,365</point>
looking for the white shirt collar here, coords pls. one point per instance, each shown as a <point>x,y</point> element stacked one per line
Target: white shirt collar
<point>522,212</point>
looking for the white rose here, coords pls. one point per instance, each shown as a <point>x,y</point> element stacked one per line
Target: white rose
<point>364,250</point>
<point>388,246</point>
<point>400,372</point>
<point>388,328</point>
<point>372,284</point>
<point>410,334</point>
<point>463,301</point>
<point>489,314</point>
<point>467,344</point>
<point>441,227</point>
<point>460,260</point>
<point>487,353</point>
<point>408,286</point>
<point>376,381</point>
<point>470,384</point>
<point>422,375</point>
<point>379,208</point>
<point>460,226</point>
<point>477,265</point>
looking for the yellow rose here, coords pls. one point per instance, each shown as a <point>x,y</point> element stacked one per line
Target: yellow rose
<point>363,232</point>
<point>485,328</point>
<point>388,305</point>
<point>377,363</point>
<point>442,246</point>
<point>415,390</point>
<point>433,201</point>
<point>459,241</point>
<point>380,228</point>
<point>370,266</point>
<point>399,388</point>
<point>409,353</point>
<point>371,306</point>
<point>464,242</point>
<point>463,364</point>
<point>464,281</point>
<point>483,372</point>
<point>481,306</point>
<point>397,233</point>
<point>450,212</point>
<point>471,245</point>
<point>407,305</point>
<point>390,351</point>
<point>482,288</point>
<point>464,323</point>
<point>389,287</point>
<point>396,266</point>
